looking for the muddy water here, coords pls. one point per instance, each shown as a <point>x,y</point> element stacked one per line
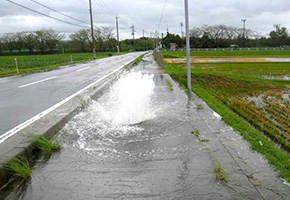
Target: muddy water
<point>106,158</point>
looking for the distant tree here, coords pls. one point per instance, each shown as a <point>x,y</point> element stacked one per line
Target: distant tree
<point>206,41</point>
<point>279,37</point>
<point>19,41</point>
<point>105,39</point>
<point>171,38</point>
<point>2,45</point>
<point>221,36</point>
<point>52,38</point>
<point>10,41</point>
<point>80,40</point>
<point>40,40</point>
<point>30,41</point>
<point>196,32</point>
<point>141,44</point>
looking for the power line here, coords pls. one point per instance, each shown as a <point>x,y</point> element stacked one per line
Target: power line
<point>161,15</point>
<point>40,13</point>
<point>58,12</point>
<point>103,3</point>
<point>103,9</point>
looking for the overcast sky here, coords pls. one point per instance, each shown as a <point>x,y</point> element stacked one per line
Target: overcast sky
<point>145,14</point>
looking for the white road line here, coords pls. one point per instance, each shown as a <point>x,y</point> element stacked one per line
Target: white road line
<point>18,128</point>
<point>79,70</point>
<point>40,81</point>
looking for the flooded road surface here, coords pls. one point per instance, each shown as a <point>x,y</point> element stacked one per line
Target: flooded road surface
<point>136,142</point>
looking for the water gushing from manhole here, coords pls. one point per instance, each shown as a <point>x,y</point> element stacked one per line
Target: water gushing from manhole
<point>129,100</point>
<point>116,114</point>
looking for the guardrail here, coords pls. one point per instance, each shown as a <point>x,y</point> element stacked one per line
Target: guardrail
<point>159,58</point>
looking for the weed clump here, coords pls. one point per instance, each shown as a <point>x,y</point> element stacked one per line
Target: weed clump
<point>45,145</point>
<point>169,84</point>
<point>199,107</point>
<point>220,173</point>
<point>195,132</point>
<point>20,166</point>
<point>204,140</point>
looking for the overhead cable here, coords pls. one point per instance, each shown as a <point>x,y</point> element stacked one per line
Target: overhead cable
<point>161,15</point>
<point>40,13</point>
<point>59,12</point>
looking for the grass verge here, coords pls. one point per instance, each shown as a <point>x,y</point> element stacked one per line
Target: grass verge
<point>19,166</point>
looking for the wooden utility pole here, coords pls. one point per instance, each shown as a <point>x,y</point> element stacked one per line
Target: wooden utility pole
<point>133,34</point>
<point>117,27</point>
<point>92,30</point>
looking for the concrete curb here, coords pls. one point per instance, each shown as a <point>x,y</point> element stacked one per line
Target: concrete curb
<point>50,123</point>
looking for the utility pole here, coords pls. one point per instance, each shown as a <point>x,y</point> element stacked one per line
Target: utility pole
<point>181,26</point>
<point>133,34</point>
<point>117,27</point>
<point>143,33</point>
<point>244,27</point>
<point>156,40</point>
<point>244,30</point>
<point>187,48</point>
<point>168,42</point>
<point>92,30</point>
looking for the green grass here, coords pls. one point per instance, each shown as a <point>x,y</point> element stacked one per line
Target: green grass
<point>226,92</point>
<point>203,140</point>
<point>220,173</point>
<point>195,132</point>
<point>34,63</point>
<point>236,53</point>
<point>169,84</point>
<point>253,69</point>
<point>19,166</point>
<point>45,145</point>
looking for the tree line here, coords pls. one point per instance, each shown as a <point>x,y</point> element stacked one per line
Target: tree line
<point>49,41</point>
<point>221,36</point>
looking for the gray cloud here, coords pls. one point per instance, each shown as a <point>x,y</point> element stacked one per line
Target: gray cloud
<point>145,14</point>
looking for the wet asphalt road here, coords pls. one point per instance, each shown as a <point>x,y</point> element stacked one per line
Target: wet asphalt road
<point>22,97</point>
<point>157,159</point>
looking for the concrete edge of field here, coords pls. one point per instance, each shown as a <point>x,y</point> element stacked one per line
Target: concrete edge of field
<point>50,124</point>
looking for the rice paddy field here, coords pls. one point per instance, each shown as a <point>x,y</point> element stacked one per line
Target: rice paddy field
<point>34,63</point>
<point>253,98</point>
